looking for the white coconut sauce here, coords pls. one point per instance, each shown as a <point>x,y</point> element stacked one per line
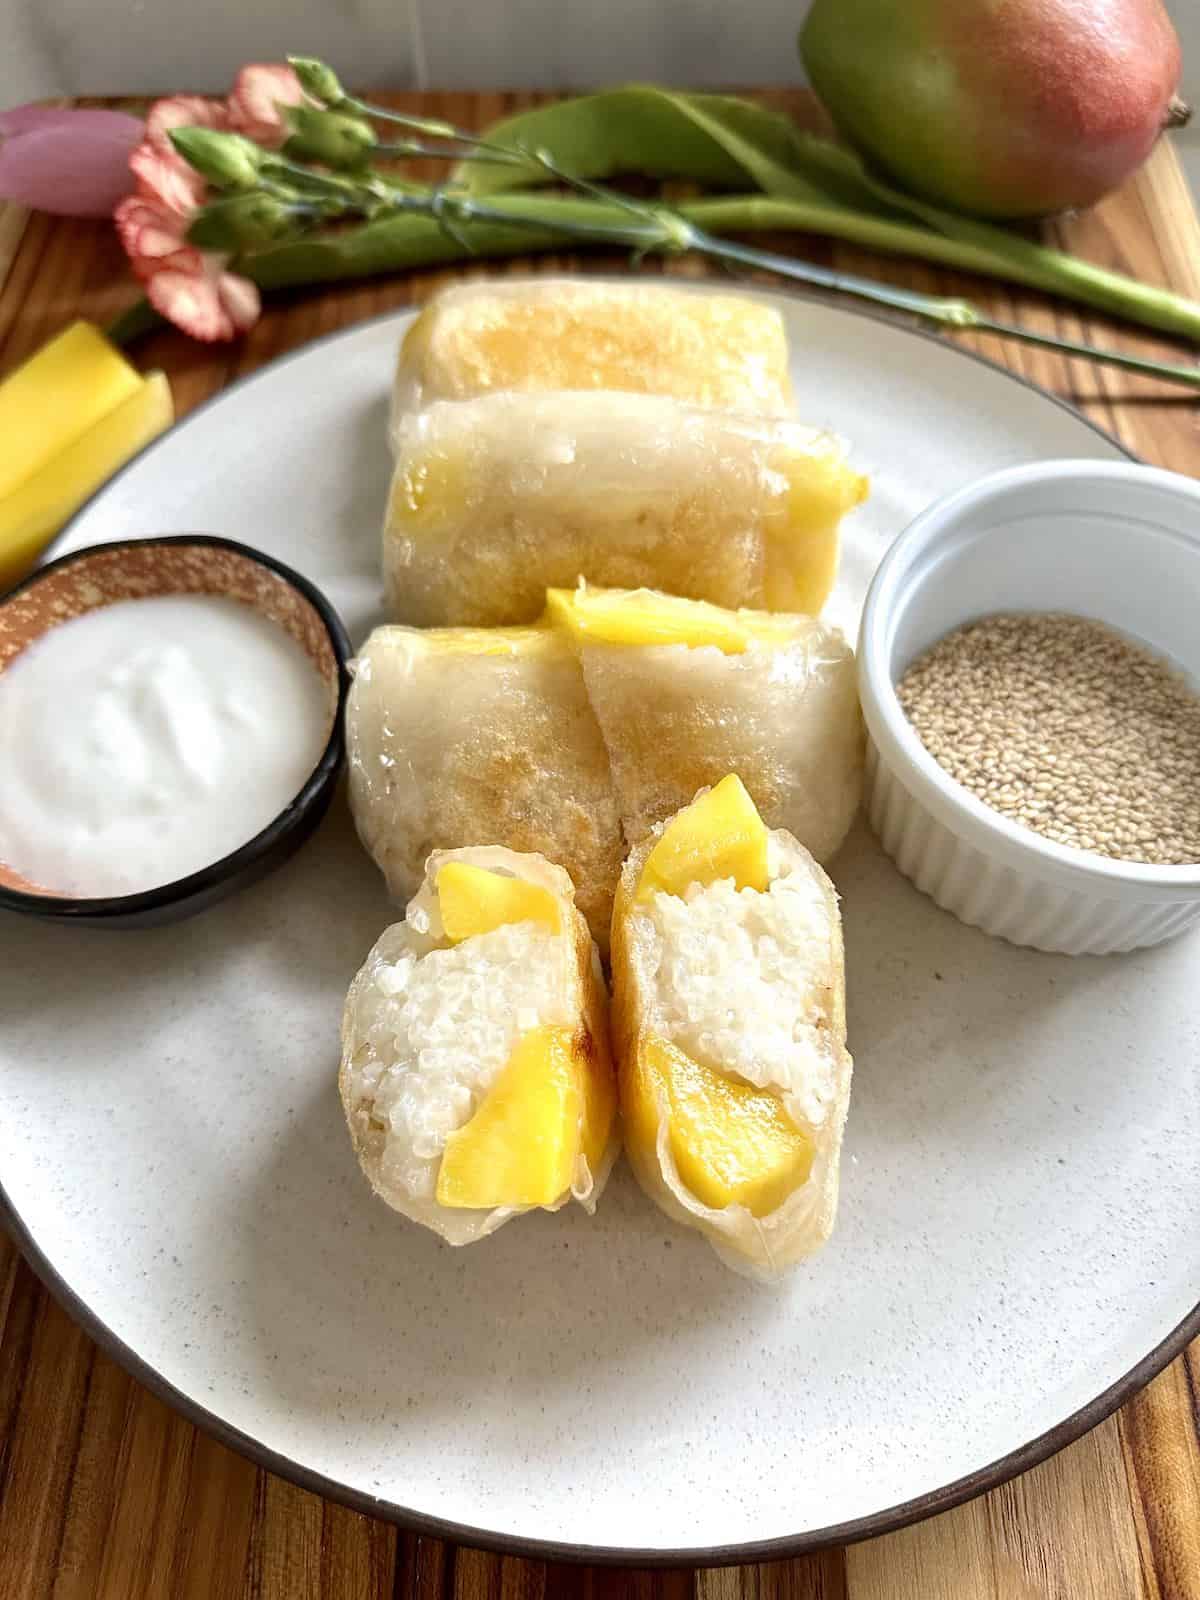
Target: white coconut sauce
<point>147,739</point>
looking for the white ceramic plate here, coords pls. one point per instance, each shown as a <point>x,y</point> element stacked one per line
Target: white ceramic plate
<point>1017,1247</point>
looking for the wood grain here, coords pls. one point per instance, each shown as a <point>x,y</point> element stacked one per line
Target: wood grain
<point>12,226</point>
<point>104,1492</point>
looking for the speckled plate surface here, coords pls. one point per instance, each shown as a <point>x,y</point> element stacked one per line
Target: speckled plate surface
<point>1018,1243</point>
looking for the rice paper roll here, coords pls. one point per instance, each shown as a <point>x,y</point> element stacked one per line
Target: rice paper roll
<point>457,736</point>
<point>720,350</point>
<point>476,1076</point>
<point>495,500</point>
<point>729,1030</point>
<point>686,692</point>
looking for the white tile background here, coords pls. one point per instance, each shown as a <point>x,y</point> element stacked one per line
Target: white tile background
<point>145,46</point>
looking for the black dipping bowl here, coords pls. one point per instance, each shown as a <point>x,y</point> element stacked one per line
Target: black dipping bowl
<point>132,569</point>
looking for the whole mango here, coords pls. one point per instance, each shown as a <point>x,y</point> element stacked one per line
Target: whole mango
<point>1002,108</point>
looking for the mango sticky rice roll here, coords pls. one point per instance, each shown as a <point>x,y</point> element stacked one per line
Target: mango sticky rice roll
<point>476,1077</point>
<point>712,349</point>
<point>457,735</point>
<point>686,692</point>
<point>729,1030</point>
<point>495,500</point>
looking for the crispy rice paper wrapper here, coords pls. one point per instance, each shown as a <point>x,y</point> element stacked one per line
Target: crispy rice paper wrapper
<point>495,500</point>
<point>782,713</point>
<point>721,350</point>
<point>458,736</point>
<point>431,1025</point>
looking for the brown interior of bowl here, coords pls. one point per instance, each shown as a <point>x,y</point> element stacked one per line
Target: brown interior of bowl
<point>137,572</point>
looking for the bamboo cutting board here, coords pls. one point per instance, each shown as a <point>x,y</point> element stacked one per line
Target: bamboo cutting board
<point>105,1492</point>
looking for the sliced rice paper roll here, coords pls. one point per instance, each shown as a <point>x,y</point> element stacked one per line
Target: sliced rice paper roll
<point>476,1076</point>
<point>729,1029</point>
<point>686,692</point>
<point>495,500</point>
<point>721,350</point>
<point>459,735</point>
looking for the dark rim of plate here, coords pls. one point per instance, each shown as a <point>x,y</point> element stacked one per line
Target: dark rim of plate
<point>887,1520</point>
<point>116,907</point>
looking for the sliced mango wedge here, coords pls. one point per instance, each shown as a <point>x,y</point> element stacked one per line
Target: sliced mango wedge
<point>473,900</point>
<point>803,541</point>
<point>647,617</point>
<point>720,835</point>
<point>521,1146</point>
<point>57,395</point>
<point>732,1143</point>
<point>34,511</point>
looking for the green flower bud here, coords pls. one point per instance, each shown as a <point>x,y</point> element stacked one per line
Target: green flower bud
<point>243,222</point>
<point>317,80</point>
<point>225,159</point>
<point>331,137</point>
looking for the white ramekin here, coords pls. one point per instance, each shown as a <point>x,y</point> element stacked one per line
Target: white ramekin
<point>1110,540</point>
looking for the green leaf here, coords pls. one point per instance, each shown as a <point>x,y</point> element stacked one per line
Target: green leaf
<point>765,148</point>
<point>722,142</point>
<point>717,140</point>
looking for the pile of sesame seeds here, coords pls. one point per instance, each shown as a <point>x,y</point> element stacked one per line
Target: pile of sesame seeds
<point>1062,724</point>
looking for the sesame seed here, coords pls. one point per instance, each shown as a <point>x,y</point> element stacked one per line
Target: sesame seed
<point>1067,727</point>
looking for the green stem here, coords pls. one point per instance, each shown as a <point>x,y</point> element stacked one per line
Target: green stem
<point>946,313</point>
<point>1185,373</point>
<point>407,149</point>
<point>955,313</point>
<point>400,119</point>
<point>516,224</point>
<point>133,323</point>
<point>1015,257</point>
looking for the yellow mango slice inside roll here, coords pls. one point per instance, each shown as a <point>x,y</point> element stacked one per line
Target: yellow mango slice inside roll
<point>554,1101</point>
<point>720,835</point>
<point>649,617</point>
<point>521,1145</point>
<point>803,528</point>
<point>473,900</point>
<point>732,1143</point>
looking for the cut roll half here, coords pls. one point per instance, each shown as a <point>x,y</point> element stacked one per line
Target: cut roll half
<point>686,692</point>
<point>729,1030</point>
<point>476,1077</point>
<point>495,500</point>
<point>723,350</point>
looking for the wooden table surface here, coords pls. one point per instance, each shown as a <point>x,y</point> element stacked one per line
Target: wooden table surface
<point>106,1492</point>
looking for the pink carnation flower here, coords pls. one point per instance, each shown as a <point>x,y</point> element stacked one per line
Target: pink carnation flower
<point>191,287</point>
<point>209,304</point>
